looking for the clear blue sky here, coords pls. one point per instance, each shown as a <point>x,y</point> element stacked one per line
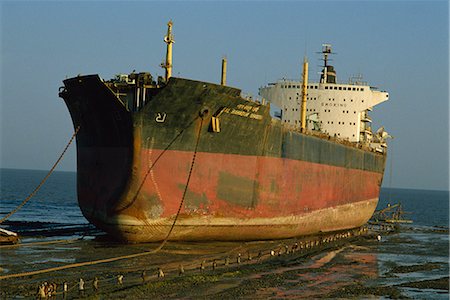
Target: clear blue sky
<point>399,46</point>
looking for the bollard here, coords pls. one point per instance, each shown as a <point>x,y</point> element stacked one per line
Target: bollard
<point>181,270</point>
<point>238,260</point>
<point>214,265</point>
<point>160,273</point>
<point>120,280</point>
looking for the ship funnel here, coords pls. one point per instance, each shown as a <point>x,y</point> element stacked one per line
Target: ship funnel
<point>223,79</point>
<point>304,95</point>
<point>168,39</point>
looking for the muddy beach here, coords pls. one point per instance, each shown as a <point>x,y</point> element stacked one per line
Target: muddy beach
<point>346,265</point>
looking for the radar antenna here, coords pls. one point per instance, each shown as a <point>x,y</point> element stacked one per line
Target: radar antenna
<point>328,73</point>
<point>326,50</point>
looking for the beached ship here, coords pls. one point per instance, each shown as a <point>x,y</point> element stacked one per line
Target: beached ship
<point>180,159</point>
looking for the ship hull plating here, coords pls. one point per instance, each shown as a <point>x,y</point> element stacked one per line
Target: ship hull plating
<point>254,179</point>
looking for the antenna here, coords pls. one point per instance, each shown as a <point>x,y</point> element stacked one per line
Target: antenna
<point>326,50</point>
<point>328,73</point>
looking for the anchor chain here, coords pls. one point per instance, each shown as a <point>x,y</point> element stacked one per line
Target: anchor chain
<point>43,180</point>
<point>187,184</point>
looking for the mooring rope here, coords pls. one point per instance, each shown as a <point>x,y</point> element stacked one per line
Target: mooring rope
<point>43,180</point>
<point>39,243</point>
<point>112,259</point>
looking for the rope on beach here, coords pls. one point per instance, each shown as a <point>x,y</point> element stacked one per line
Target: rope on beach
<point>39,243</point>
<point>112,259</point>
<point>82,264</point>
<point>43,180</point>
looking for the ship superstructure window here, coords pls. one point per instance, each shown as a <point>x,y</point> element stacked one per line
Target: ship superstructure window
<point>328,94</point>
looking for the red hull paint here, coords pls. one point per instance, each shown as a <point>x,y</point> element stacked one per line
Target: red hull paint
<point>238,190</point>
<point>283,187</point>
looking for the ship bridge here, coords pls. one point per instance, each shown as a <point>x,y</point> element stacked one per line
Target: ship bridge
<point>337,109</point>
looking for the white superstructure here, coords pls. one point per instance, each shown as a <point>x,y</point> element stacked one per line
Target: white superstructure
<point>337,109</point>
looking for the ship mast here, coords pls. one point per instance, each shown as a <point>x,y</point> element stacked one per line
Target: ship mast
<point>304,95</point>
<point>168,39</point>
<point>223,79</point>
<point>328,74</point>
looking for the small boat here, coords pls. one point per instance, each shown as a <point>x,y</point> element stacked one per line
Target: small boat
<point>8,237</point>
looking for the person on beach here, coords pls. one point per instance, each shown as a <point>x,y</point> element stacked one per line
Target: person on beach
<point>81,287</point>
<point>65,290</point>
<point>95,284</point>
<point>41,292</point>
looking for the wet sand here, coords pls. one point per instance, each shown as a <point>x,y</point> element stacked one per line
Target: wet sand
<point>410,264</point>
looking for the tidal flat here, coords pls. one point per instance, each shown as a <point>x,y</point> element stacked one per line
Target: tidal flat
<point>409,263</point>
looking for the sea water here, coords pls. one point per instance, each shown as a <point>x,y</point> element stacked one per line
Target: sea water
<point>55,202</point>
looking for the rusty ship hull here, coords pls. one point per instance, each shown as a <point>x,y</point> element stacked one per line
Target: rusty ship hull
<point>254,178</point>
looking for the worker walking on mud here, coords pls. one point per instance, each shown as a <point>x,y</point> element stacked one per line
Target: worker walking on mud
<point>65,290</point>
<point>144,276</point>
<point>95,284</point>
<point>41,292</point>
<point>81,287</point>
